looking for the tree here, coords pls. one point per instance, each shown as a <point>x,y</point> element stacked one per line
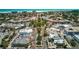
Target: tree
<point>39,39</point>
<point>45,33</point>
<point>73,43</point>
<point>51,40</point>
<point>5,44</point>
<point>38,43</point>
<point>38,23</point>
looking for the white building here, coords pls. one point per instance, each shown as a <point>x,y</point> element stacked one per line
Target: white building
<point>58,40</point>
<point>23,39</point>
<point>26,30</point>
<point>54,34</point>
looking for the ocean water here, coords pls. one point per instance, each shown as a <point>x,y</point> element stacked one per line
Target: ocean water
<point>30,10</point>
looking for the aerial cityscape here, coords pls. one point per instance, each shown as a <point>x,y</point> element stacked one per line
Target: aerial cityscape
<point>39,28</point>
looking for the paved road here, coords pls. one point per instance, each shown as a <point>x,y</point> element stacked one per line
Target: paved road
<point>9,46</point>
<point>33,40</point>
<point>67,43</point>
<point>44,45</point>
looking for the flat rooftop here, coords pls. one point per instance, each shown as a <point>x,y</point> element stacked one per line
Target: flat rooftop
<point>21,40</point>
<point>71,29</point>
<point>77,36</point>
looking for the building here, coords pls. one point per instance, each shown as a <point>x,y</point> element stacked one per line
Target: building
<point>23,39</point>
<point>58,40</point>
<point>20,41</point>
<point>2,35</point>
<point>58,21</point>
<point>76,36</point>
<point>72,34</point>
<point>26,31</point>
<point>13,25</point>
